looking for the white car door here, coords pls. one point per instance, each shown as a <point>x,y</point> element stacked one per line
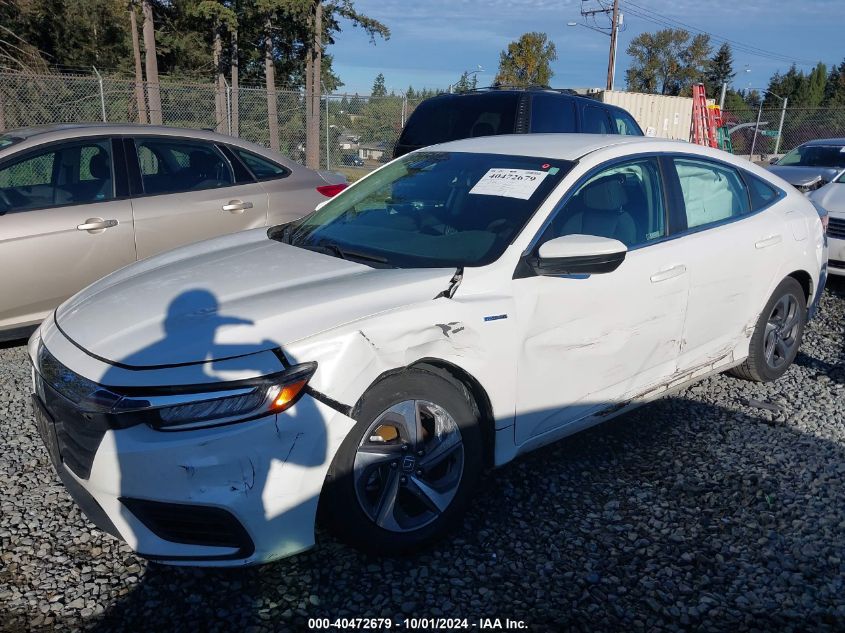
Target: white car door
<point>189,192</point>
<point>591,342</point>
<point>733,254</point>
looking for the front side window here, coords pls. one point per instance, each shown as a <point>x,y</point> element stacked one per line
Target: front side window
<point>431,210</point>
<point>172,166</point>
<point>552,114</point>
<point>712,193</point>
<point>595,121</point>
<point>622,202</point>
<point>260,167</point>
<point>72,173</point>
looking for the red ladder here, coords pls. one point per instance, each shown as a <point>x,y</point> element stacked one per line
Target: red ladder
<point>703,128</point>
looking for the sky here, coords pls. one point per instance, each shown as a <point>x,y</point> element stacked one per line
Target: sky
<point>433,41</point>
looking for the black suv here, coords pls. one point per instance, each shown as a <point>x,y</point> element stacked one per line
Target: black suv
<point>506,110</point>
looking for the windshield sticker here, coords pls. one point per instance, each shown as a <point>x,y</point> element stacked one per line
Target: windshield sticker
<point>509,183</point>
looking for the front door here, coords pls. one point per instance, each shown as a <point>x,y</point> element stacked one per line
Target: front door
<point>592,342</point>
<point>62,227</point>
<point>190,193</point>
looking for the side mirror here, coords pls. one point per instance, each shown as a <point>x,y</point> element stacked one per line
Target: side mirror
<point>579,255</point>
<point>773,160</point>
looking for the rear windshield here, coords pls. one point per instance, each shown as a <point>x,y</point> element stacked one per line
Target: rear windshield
<point>463,116</point>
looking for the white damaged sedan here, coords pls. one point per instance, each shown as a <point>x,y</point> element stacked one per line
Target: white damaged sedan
<point>461,305</point>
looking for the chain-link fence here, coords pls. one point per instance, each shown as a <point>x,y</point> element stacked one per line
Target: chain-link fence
<point>781,130</point>
<point>357,133</point>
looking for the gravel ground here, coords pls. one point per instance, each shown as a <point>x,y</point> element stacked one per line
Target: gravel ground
<point>703,510</point>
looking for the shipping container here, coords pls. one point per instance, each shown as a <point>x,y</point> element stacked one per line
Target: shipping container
<point>658,115</point>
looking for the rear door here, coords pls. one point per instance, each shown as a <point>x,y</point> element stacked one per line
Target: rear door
<point>65,221</point>
<point>733,250</point>
<point>292,191</point>
<point>187,190</point>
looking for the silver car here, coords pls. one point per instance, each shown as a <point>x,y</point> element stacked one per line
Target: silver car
<point>812,165</point>
<point>80,201</point>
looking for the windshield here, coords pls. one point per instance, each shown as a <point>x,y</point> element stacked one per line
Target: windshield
<point>815,156</point>
<point>431,210</point>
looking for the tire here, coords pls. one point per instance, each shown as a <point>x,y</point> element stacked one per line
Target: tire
<point>431,490</point>
<point>777,334</point>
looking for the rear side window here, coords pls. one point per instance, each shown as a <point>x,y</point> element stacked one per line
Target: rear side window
<point>72,173</point>
<point>712,193</point>
<point>260,167</point>
<point>552,113</point>
<point>444,119</point>
<point>762,193</point>
<point>625,123</point>
<point>172,166</point>
<point>595,121</point>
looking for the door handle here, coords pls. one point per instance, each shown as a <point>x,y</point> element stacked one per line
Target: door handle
<point>769,241</point>
<point>669,273</point>
<point>237,206</point>
<point>96,225</point>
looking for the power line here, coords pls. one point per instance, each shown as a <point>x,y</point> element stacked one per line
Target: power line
<point>652,16</point>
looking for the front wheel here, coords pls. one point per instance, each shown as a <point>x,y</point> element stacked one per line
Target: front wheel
<point>406,471</point>
<point>777,334</point>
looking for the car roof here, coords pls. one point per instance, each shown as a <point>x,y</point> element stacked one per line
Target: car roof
<point>560,146</point>
<point>480,93</point>
<point>826,141</point>
<point>73,130</point>
<point>26,138</point>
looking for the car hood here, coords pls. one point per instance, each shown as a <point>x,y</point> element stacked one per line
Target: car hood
<point>803,176</point>
<point>230,297</point>
<point>831,197</point>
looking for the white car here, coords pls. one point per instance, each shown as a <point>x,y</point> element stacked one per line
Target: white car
<point>831,197</point>
<point>462,305</point>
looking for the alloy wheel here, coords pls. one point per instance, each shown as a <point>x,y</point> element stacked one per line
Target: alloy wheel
<point>408,466</point>
<point>782,330</point>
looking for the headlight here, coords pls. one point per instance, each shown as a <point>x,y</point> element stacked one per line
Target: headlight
<point>197,406</point>
<point>173,407</point>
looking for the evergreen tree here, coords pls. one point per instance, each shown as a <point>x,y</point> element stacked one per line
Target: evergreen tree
<point>834,91</point>
<point>720,71</point>
<point>379,89</point>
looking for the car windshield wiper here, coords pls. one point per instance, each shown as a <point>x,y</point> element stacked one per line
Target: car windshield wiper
<point>347,254</point>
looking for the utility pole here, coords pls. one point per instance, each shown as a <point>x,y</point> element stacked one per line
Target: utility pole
<point>614,34</point>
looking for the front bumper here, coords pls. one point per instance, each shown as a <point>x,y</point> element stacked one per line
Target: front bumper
<point>240,494</point>
<point>836,256</point>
